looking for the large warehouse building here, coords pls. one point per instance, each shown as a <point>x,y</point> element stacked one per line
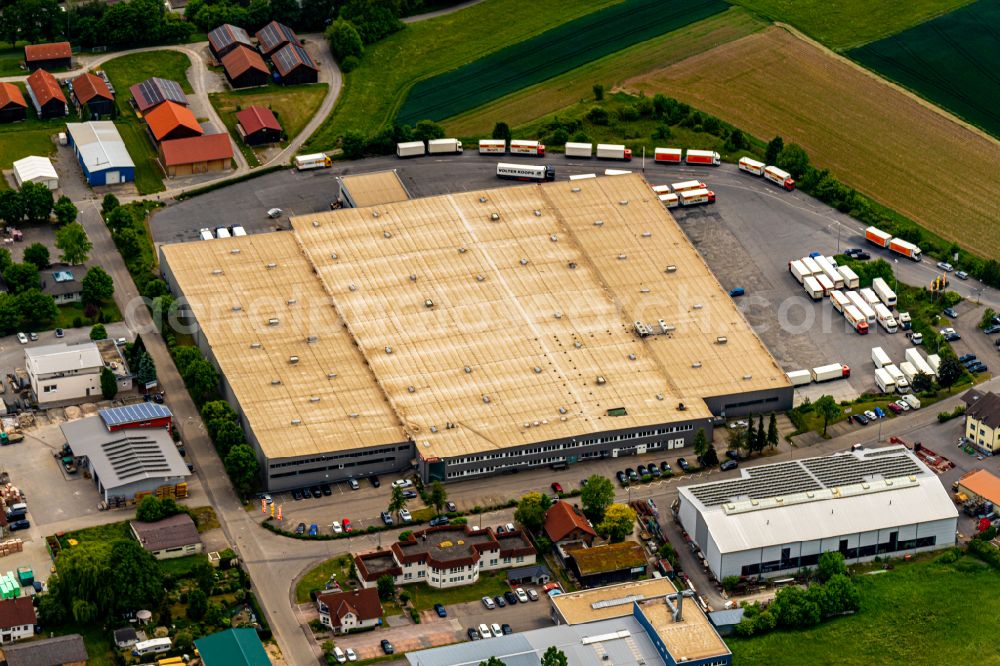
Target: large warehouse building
<point>776,519</point>
<point>472,333</point>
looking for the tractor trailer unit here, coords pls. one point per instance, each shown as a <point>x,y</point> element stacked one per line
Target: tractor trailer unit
<point>668,155</point>
<point>799,377</point>
<point>825,373</point>
<point>703,157</point>
<point>902,385</point>
<point>862,305</point>
<point>856,320</point>
<point>520,147</point>
<point>839,301</point>
<point>531,172</point>
<point>897,245</point>
<point>608,151</point>
<point>885,294</point>
<point>693,197</point>
<point>670,200</point>
<point>751,166</point>
<point>779,177</point>
<point>314,161</point>
<point>885,318</point>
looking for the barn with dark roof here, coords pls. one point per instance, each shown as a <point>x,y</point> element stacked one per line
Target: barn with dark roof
<point>273,36</point>
<point>46,95</point>
<point>294,65</point>
<point>227,37</point>
<point>155,91</point>
<point>12,104</point>
<point>245,68</point>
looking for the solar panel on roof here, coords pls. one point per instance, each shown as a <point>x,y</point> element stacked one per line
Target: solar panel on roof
<point>290,56</point>
<point>156,90</point>
<point>143,411</point>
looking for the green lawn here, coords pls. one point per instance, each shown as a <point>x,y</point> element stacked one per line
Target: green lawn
<point>920,612</point>
<point>108,532</point>
<point>148,175</point>
<point>70,311</point>
<point>293,106</point>
<point>374,92</point>
<point>128,70</point>
<point>846,24</point>
<point>490,584</point>
<point>317,577</point>
<point>179,567</point>
<point>30,136</point>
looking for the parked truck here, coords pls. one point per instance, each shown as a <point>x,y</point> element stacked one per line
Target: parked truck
<point>813,288</point>
<point>670,200</point>
<point>693,197</point>
<point>904,321</point>
<point>851,280</point>
<point>798,270</point>
<point>668,155</point>
<point>914,356</point>
<point>884,381</point>
<point>885,294</point>
<point>410,149</point>
<point>492,146</point>
<point>523,147</point>
<point>912,401</point>
<point>532,172</point>
<point>934,361</point>
<point>877,236</point>
<point>839,301</point>
<point>885,318</point>
<point>825,282</point>
<point>825,373</point>
<point>811,264</point>
<point>908,370</point>
<point>902,385</point>
<point>751,166</point>
<point>799,377</point>
<point>880,358</point>
<point>897,245</point>
<point>610,151</point>
<point>687,185</point>
<point>862,306</point>
<point>871,298</point>
<point>830,271</point>
<point>444,146</point>
<point>312,161</point>
<point>703,157</point>
<point>856,320</point>
<point>779,177</point>
<point>579,149</point>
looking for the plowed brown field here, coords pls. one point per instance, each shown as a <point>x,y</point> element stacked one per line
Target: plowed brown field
<point>873,137</point>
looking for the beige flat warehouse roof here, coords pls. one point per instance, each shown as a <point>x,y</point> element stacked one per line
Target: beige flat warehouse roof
<point>329,390</point>
<point>481,333</point>
<point>375,189</point>
<point>692,638</point>
<point>604,603</point>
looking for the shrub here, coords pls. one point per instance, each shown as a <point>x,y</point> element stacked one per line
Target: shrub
<point>349,64</point>
<point>598,115</point>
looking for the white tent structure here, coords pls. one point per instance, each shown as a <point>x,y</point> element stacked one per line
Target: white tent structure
<point>35,169</point>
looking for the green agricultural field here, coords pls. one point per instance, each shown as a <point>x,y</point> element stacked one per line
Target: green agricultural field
<point>374,91</point>
<point>911,614</point>
<point>952,61</point>
<point>557,51</point>
<point>557,93</point>
<point>128,70</point>
<point>845,24</point>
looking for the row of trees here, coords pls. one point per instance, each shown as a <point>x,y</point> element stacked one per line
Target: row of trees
<point>34,202</point>
<point>797,608</point>
<point>754,439</point>
<point>222,424</point>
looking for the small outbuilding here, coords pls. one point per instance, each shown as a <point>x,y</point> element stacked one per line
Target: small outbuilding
<point>125,637</point>
<point>12,104</point>
<point>245,68</point>
<point>258,126</point>
<point>176,536</point>
<point>227,37</point>
<point>294,65</point>
<point>273,36</point>
<point>46,95</point>
<point>36,169</point>
<point>171,120</point>
<point>139,415</point>
<point>199,154</point>
<point>608,563</point>
<point>90,90</point>
<point>49,56</point>
<point>66,650</point>
<point>101,152</point>
<point>155,91</point>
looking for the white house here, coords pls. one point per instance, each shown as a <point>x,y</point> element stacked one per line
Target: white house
<point>354,609</point>
<point>17,619</point>
<point>776,519</point>
<point>63,374</point>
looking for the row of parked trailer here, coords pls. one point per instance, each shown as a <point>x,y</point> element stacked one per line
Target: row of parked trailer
<point>769,172</point>
<point>686,193</point>
<point>891,378</point>
<point>823,373</point>
<point>897,245</point>
<point>821,277</point>
<point>234,231</point>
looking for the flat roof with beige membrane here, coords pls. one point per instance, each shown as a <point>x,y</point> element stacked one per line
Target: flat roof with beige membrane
<point>630,250</point>
<point>375,189</point>
<point>579,607</point>
<point>692,638</point>
<point>351,411</point>
<point>509,348</point>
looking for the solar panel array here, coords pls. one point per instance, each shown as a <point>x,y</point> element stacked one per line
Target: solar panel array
<point>291,56</point>
<point>133,457</point>
<point>274,34</point>
<point>848,470</point>
<point>143,411</point>
<point>226,35</point>
<point>157,90</point>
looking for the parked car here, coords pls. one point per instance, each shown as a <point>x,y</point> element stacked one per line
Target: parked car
<point>991,329</point>
<point>862,256</point>
<point>386,517</point>
<point>655,471</point>
<point>961,275</point>
<point>22,338</point>
<point>632,476</point>
<point>439,520</point>
<point>510,597</point>
<point>642,471</point>
<point>402,483</point>
<point>347,525</point>
<point>313,529</point>
<point>950,313</point>
<point>489,603</point>
<point>557,487</point>
<point>978,368</point>
<point>387,647</point>
<point>505,628</point>
<point>728,465</point>
<point>532,595</point>
<point>499,601</point>
<point>522,596</point>
<point>353,483</point>
<point>473,634</point>
<point>60,333</point>
<point>737,291</point>
<point>945,266</point>
<point>404,515</point>
<point>484,631</point>
<point>894,408</point>
<point>274,213</point>
<point>622,479</point>
<point>879,412</point>
<point>300,528</point>
<point>22,524</point>
<point>373,479</point>
<point>860,419</point>
<point>450,507</point>
<point>33,336</point>
<point>495,628</point>
<point>739,424</point>
<point>870,415</point>
<point>902,404</point>
<point>327,490</point>
<point>410,493</point>
<point>351,654</point>
<point>316,492</point>
<point>440,610</point>
<point>964,358</point>
<point>336,528</point>
<point>666,468</point>
<point>683,464</point>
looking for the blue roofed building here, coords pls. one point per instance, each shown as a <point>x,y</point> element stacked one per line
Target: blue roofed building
<point>101,152</point>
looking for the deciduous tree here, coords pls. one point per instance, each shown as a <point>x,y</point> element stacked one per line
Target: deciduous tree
<point>65,210</point>
<point>501,130</point>
<point>37,201</point>
<point>242,468</point>
<point>397,500</point>
<point>37,309</point>
<point>618,523</point>
<point>21,277</point>
<point>201,379</point>
<point>828,408</point>
<point>344,39</point>
<point>98,332</point>
<point>73,241</point>
<point>774,147</point>
<point>830,564</point>
<point>530,512</point>
<point>554,657</point>
<point>437,497</point>
<point>37,254</point>
<point>97,286</point>
<point>597,494</point>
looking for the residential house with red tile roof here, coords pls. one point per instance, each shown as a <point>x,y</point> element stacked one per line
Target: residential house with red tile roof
<point>346,611</point>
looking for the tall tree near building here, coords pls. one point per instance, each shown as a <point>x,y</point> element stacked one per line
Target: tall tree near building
<point>147,369</point>
<point>109,385</point>
<point>828,408</point>
<point>37,201</point>
<point>618,523</point>
<point>73,241</point>
<point>97,286</point>
<point>37,254</point>
<point>242,467</point>
<point>950,371</point>
<point>772,431</point>
<point>530,512</point>
<point>437,497</point>
<point>751,438</point>
<point>597,494</point>
<point>108,204</point>
<point>201,379</point>
<point>11,207</point>
<point>761,435</point>
<point>397,500</point>
<point>21,277</point>
<point>65,210</point>
<point>700,443</point>
<point>98,332</point>
<point>554,657</point>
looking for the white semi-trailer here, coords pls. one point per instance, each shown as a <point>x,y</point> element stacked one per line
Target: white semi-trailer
<point>533,172</point>
<point>813,288</point>
<point>312,161</point>
<point>880,358</point>
<point>751,166</point>
<point>579,149</point>
<point>798,270</point>
<point>411,149</point>
<point>884,381</point>
<point>444,146</point>
<point>608,151</point>
<point>523,147</point>
<point>839,301</point>
<point>799,377</point>
<point>492,146</point>
<point>885,294</point>
<point>902,385</point>
<point>851,280</point>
